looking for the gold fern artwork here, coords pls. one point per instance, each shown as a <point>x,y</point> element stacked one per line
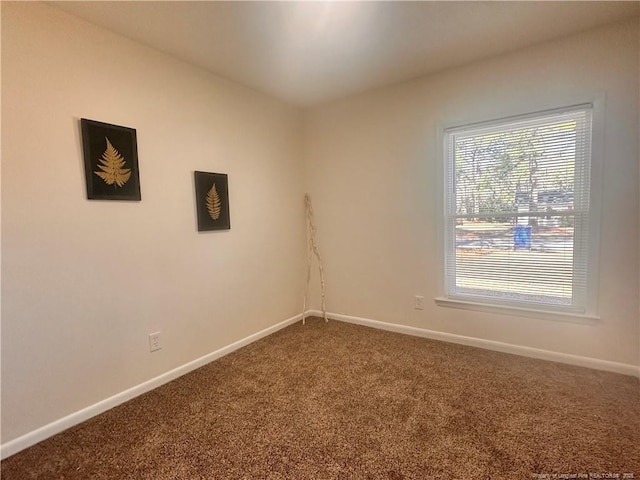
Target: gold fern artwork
<point>213,203</point>
<point>111,167</point>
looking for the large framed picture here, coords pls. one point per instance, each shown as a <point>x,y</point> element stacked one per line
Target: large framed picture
<point>212,201</point>
<point>110,161</point>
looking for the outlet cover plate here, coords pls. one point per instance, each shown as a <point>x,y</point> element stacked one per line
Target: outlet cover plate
<point>154,342</point>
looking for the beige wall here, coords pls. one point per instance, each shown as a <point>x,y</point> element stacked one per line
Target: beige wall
<point>85,282</point>
<point>372,168</point>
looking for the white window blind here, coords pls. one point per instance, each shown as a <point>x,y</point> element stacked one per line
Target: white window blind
<point>517,210</point>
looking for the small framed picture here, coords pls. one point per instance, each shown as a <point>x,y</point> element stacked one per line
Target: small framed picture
<point>110,161</point>
<point>212,201</point>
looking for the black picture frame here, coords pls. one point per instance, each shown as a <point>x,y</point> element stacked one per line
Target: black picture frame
<point>212,201</point>
<point>110,161</point>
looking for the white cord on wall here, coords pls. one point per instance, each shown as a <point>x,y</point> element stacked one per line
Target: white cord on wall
<point>312,249</point>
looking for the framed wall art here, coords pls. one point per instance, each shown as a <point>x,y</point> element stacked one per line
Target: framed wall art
<point>110,161</point>
<point>212,201</point>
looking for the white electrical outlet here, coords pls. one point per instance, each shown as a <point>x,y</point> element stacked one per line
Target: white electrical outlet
<point>418,302</point>
<point>154,342</point>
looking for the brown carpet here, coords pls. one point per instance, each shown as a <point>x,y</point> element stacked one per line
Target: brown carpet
<point>340,401</point>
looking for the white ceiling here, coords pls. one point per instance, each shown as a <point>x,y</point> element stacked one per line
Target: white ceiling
<point>307,53</point>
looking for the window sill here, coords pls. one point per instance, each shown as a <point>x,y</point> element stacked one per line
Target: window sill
<point>582,318</point>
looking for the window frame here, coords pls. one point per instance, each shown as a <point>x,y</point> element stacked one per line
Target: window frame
<point>588,314</point>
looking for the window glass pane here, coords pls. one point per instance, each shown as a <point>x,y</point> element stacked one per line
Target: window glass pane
<point>518,262</point>
<point>504,171</point>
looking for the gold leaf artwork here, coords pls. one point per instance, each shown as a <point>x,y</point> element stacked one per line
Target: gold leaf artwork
<point>112,164</point>
<point>213,203</point>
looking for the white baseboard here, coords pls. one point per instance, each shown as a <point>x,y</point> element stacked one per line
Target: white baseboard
<point>623,368</point>
<point>14,446</point>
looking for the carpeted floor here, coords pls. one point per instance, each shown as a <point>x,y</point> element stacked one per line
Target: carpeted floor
<point>340,401</point>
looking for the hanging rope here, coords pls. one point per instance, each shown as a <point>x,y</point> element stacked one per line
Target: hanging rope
<point>312,249</point>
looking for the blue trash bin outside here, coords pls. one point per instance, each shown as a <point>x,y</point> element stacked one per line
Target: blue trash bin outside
<point>522,236</point>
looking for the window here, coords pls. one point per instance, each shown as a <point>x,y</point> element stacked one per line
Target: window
<point>517,211</point>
